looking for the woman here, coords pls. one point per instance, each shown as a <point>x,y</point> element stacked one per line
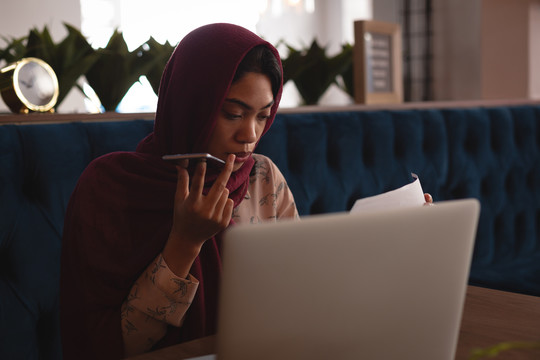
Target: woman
<point>141,248</point>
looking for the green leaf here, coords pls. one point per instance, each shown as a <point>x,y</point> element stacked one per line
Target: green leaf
<point>75,56</point>
<point>41,45</point>
<point>161,54</point>
<point>15,49</point>
<point>312,71</point>
<point>496,350</point>
<point>347,74</point>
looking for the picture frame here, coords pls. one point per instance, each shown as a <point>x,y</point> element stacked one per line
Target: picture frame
<point>377,62</point>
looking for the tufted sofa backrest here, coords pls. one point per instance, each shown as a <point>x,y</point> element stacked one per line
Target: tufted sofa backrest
<point>39,167</point>
<point>492,154</point>
<point>329,160</point>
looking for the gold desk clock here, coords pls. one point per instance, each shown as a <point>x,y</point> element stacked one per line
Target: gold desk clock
<point>29,84</point>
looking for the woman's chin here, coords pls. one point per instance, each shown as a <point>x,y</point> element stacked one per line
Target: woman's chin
<point>237,166</point>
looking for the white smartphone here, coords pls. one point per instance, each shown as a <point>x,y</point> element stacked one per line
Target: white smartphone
<point>177,158</point>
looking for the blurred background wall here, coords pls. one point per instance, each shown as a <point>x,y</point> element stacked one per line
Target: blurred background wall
<point>453,49</point>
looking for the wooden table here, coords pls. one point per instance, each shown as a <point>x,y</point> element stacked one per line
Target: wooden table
<point>186,350</point>
<point>489,317</point>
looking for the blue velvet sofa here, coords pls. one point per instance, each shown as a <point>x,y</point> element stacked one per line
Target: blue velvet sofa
<point>330,158</point>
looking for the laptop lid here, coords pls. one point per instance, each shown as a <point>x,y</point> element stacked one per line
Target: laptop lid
<point>378,285</point>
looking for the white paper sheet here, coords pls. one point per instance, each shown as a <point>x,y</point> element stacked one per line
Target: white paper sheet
<point>406,196</point>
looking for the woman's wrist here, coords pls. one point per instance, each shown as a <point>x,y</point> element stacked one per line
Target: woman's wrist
<point>180,255</point>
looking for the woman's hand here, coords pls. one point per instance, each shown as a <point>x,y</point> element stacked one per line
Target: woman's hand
<point>197,217</point>
<point>429,199</point>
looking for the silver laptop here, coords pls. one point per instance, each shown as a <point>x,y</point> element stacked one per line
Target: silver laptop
<point>379,285</point>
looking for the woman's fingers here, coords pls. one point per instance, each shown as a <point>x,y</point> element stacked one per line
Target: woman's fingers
<point>220,184</point>
<point>215,206</point>
<point>219,195</point>
<point>197,183</point>
<point>197,216</point>
<point>182,184</point>
<point>227,212</point>
<point>221,215</point>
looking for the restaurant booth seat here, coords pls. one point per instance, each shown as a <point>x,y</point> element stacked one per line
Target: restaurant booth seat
<point>330,158</point>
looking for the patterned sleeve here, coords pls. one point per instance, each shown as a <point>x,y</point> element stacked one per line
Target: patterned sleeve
<point>270,198</point>
<point>286,207</point>
<point>156,299</point>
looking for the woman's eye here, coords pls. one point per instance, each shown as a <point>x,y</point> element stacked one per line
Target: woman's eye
<point>232,116</point>
<point>263,117</point>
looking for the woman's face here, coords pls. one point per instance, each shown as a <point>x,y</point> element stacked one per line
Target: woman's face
<point>242,118</point>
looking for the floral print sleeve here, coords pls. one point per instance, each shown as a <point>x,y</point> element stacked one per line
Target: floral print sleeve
<point>268,198</point>
<point>156,299</point>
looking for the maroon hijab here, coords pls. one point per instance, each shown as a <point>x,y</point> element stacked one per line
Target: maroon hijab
<point>120,213</point>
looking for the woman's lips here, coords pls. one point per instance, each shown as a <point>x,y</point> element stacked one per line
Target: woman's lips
<point>242,156</point>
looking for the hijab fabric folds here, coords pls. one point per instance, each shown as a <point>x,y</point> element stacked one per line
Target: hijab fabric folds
<point>120,214</point>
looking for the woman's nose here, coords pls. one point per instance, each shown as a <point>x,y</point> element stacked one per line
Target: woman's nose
<point>248,131</point>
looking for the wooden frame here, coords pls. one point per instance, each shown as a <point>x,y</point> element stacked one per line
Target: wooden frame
<point>377,63</point>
